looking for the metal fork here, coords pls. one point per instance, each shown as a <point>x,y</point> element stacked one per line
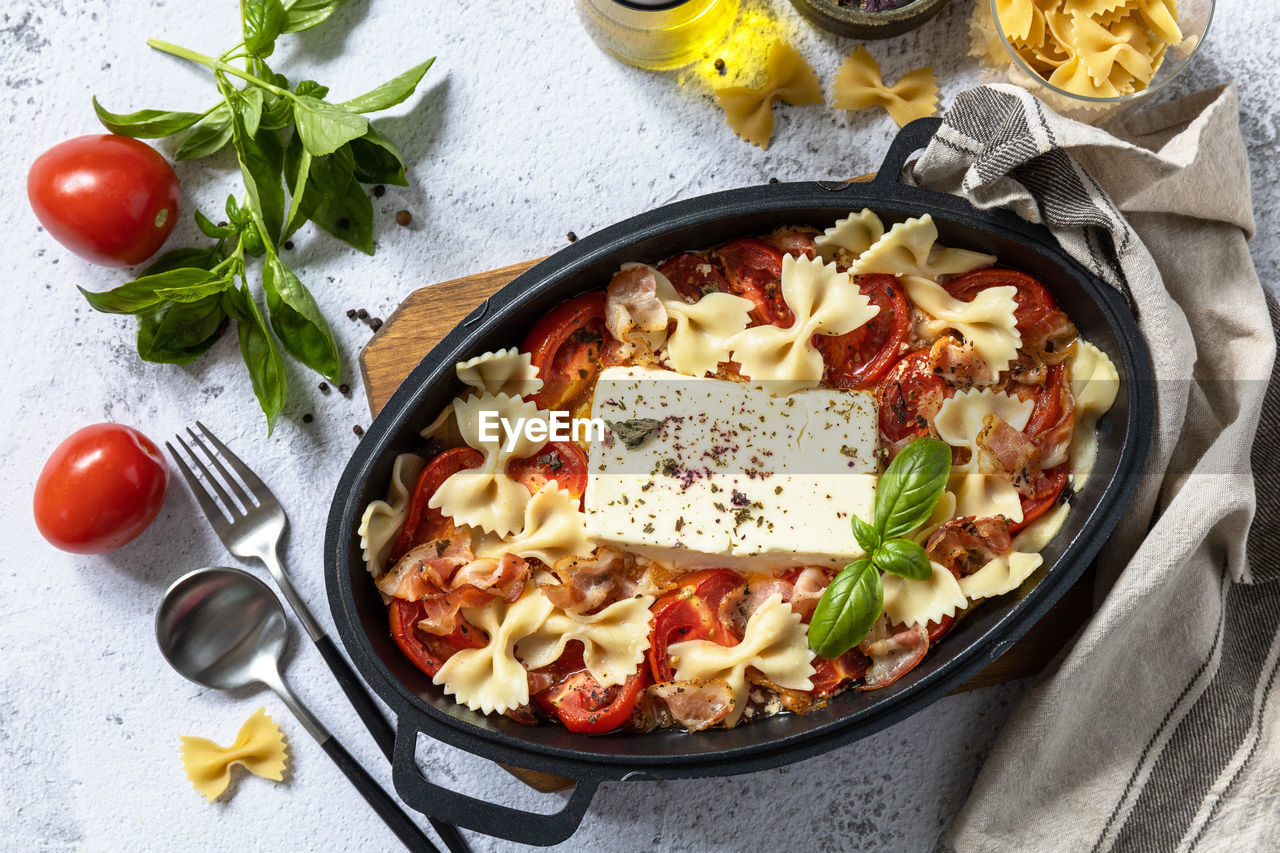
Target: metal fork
<point>250,525</point>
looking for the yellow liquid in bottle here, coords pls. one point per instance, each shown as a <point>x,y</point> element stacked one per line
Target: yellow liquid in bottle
<point>661,36</point>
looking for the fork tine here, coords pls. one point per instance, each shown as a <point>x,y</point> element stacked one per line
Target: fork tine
<point>211,509</point>
<point>251,479</point>
<point>233,510</point>
<point>228,481</point>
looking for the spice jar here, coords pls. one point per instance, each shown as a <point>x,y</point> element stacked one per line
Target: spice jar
<point>657,34</point>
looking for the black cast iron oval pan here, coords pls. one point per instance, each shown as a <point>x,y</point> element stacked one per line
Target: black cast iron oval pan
<point>978,639</point>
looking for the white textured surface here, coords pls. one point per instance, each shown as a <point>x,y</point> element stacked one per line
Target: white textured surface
<point>523,132</point>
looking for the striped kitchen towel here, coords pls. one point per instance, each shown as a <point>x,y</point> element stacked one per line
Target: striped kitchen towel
<point>1159,729</point>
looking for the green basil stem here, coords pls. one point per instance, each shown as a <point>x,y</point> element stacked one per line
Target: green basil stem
<point>215,65</point>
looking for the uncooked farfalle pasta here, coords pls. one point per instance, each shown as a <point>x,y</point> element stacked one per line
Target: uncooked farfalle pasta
<point>1093,48</point>
<point>858,85</point>
<point>259,747</point>
<point>788,78</point>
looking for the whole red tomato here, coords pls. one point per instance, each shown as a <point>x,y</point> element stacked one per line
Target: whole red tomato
<point>99,489</point>
<point>110,199</point>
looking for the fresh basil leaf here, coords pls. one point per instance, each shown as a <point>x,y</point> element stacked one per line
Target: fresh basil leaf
<point>143,294</point>
<point>325,127</point>
<point>277,114</point>
<point>297,320</point>
<point>377,160</point>
<point>391,92</point>
<point>264,20</point>
<point>238,216</point>
<point>249,105</point>
<point>868,538</point>
<point>180,332</point>
<point>904,558</point>
<point>914,481</point>
<point>261,357</point>
<point>205,259</point>
<point>848,608</point>
<point>208,136</point>
<point>299,170</point>
<point>261,160</point>
<point>312,88</point>
<point>145,124</point>
<point>347,215</point>
<point>304,14</point>
<point>209,229</point>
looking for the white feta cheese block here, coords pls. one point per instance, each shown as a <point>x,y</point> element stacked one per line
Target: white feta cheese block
<point>709,472</point>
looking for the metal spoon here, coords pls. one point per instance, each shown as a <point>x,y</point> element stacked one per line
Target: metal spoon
<point>224,628</point>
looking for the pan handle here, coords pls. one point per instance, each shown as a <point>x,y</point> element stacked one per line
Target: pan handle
<point>488,818</point>
<point>913,136</point>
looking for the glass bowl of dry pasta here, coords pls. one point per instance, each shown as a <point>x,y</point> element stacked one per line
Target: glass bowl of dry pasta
<point>1091,59</point>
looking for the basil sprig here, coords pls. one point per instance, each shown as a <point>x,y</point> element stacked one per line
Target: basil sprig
<point>905,497</point>
<point>302,158</point>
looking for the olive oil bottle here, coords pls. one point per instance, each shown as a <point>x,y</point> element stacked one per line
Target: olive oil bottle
<point>658,34</point>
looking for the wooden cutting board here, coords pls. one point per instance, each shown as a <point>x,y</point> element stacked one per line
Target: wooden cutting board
<point>428,314</point>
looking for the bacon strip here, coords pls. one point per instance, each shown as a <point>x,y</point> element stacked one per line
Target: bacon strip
<point>632,308</point>
<point>964,545</point>
<point>1051,337</point>
<point>894,651</point>
<point>794,240</point>
<point>694,705</point>
<point>1008,452</point>
<point>807,589</point>
<point>958,363</point>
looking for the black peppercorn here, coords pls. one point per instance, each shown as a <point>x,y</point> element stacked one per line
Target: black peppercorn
<point>344,388</point>
<point>357,429</point>
<point>375,323</point>
<point>362,314</point>
<point>288,244</point>
<point>351,313</point>
<point>379,191</point>
<point>307,418</point>
<point>324,387</point>
<point>573,238</point>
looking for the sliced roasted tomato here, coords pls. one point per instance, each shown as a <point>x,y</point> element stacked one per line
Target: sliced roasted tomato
<point>1049,487</point>
<point>834,673</point>
<point>908,396</point>
<point>421,523</point>
<point>690,612</point>
<point>753,269</point>
<point>693,276</point>
<point>583,706</point>
<point>427,651</point>
<point>567,347</point>
<point>859,359</point>
<point>1034,300</point>
<point>562,461</point>
<point>1048,402</point>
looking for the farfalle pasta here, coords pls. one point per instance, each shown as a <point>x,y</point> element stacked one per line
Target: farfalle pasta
<point>487,497</point>
<point>822,301</point>
<point>741,402</point>
<point>1092,48</point>
<point>959,422</point>
<point>788,78</point>
<point>259,747</point>
<point>774,643</point>
<point>381,522</point>
<point>858,85</point>
<point>911,248</point>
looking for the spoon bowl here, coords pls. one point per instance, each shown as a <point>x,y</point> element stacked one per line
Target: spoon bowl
<point>218,627</point>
